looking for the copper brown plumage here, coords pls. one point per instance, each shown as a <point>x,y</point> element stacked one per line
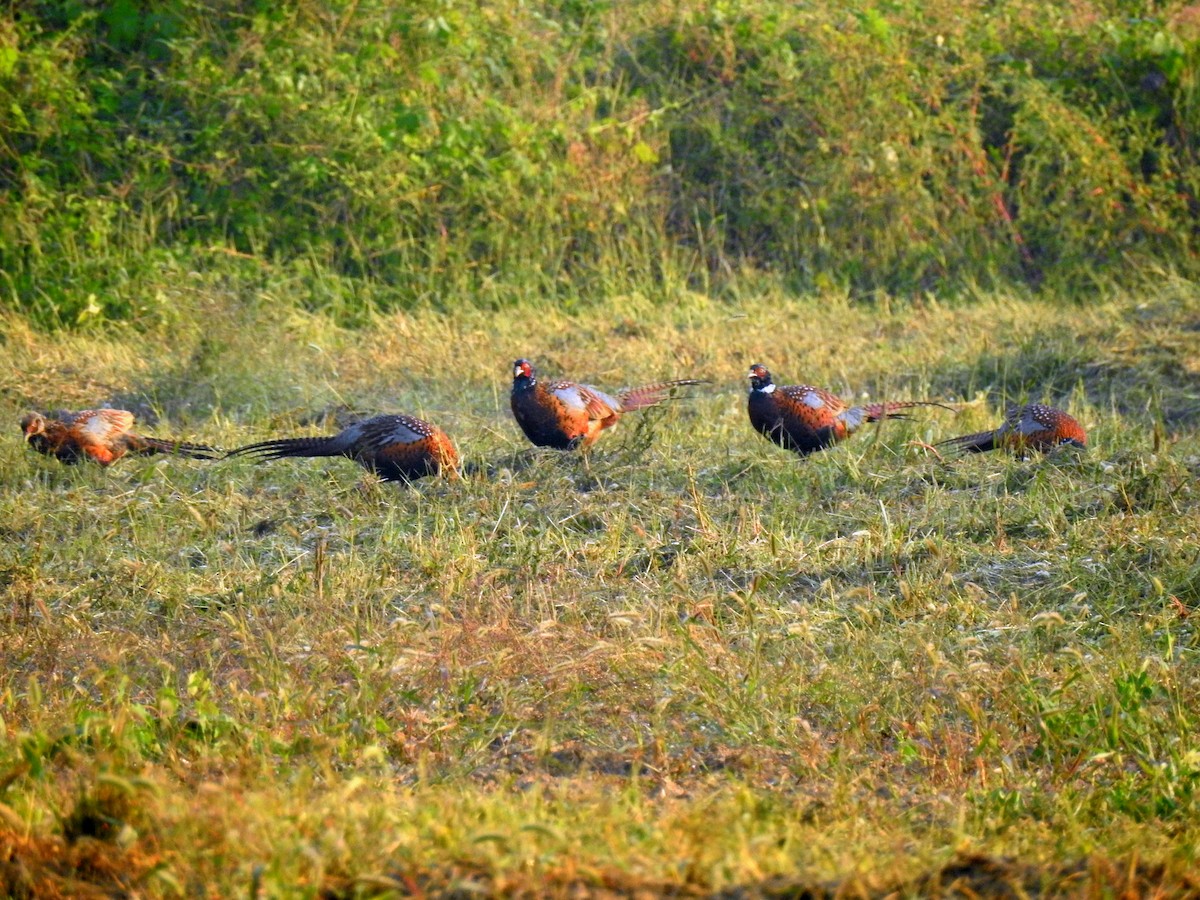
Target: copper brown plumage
<point>806,419</point>
<point>395,447</point>
<point>99,435</point>
<point>568,416</point>
<point>1034,426</point>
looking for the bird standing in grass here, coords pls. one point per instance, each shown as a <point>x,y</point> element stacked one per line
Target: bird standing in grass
<point>395,447</point>
<point>1030,427</point>
<point>568,416</point>
<point>101,435</point>
<point>806,419</point>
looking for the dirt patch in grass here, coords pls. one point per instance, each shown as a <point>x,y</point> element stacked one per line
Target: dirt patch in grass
<point>966,876</point>
<point>978,875</point>
<point>52,867</point>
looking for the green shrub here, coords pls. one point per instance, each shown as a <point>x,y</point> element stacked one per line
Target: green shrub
<point>907,147</point>
<point>570,150</point>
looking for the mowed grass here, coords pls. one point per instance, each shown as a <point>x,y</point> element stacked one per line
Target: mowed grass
<point>689,663</point>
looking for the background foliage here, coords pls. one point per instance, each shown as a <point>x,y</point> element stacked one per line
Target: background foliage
<point>397,153</point>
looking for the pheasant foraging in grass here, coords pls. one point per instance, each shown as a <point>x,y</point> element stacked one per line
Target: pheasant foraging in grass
<point>1025,428</point>
<point>568,416</point>
<point>807,419</point>
<point>101,435</point>
<point>392,446</point>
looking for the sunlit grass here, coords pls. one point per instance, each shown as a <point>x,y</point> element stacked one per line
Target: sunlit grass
<point>694,660</point>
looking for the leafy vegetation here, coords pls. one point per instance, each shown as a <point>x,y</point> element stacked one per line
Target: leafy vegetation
<point>445,154</point>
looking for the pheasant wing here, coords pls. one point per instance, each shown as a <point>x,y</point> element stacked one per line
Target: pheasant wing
<point>382,432</point>
<point>1014,414</point>
<point>810,403</point>
<point>101,426</point>
<point>97,432</point>
<point>1020,422</point>
<point>592,400</point>
<point>1028,422</point>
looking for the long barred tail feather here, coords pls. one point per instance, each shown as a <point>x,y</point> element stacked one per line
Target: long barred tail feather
<point>891,409</point>
<point>651,394</point>
<point>177,448</point>
<point>284,447</point>
<point>980,442</point>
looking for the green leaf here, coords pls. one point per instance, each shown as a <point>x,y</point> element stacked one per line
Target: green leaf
<point>874,24</point>
<point>8,60</point>
<point>124,21</point>
<point>644,153</point>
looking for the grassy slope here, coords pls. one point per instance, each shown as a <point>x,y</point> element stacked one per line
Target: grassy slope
<point>570,150</point>
<point>701,661</point>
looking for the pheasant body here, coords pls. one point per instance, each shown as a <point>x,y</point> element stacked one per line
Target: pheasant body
<point>100,435</point>
<point>395,447</point>
<point>1034,426</point>
<point>805,419</point>
<point>568,416</point>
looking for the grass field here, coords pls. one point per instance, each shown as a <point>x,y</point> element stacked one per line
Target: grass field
<point>694,663</point>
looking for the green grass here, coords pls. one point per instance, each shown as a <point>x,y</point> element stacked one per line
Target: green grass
<point>694,663</point>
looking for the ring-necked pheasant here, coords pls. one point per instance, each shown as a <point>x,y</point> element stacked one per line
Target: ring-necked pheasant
<point>101,435</point>
<point>566,416</point>
<point>805,419</point>
<point>395,447</point>
<point>1030,427</point>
